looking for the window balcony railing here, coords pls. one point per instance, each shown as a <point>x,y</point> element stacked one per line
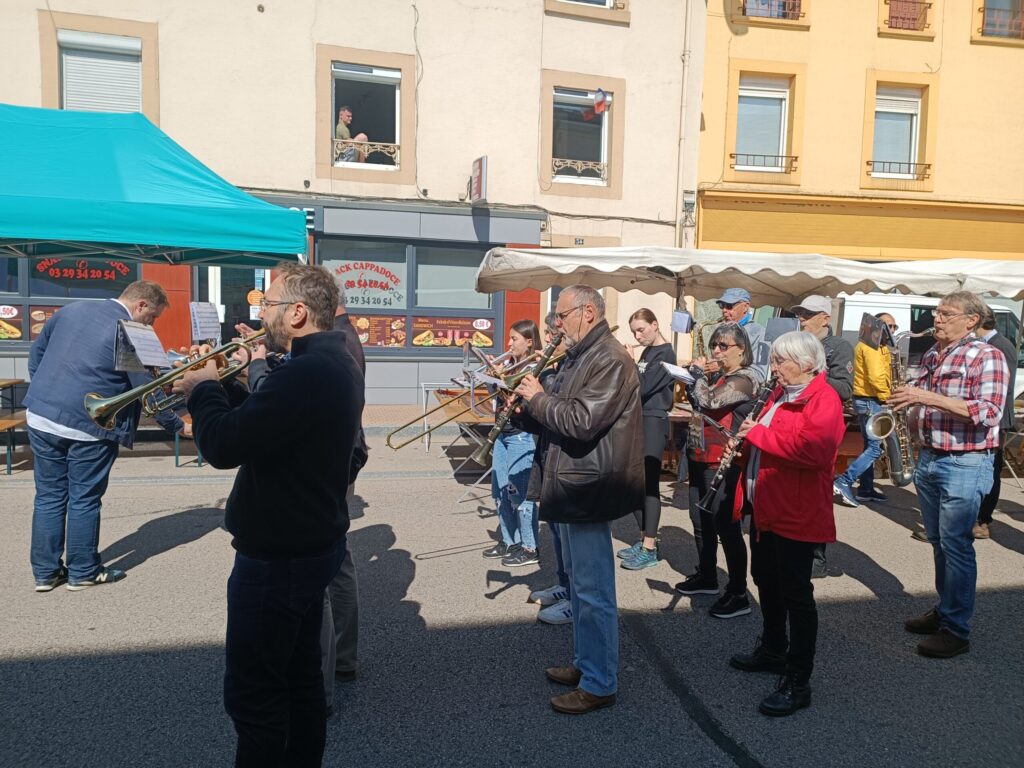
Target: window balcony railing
<point>595,171</point>
<point>908,15</point>
<point>768,163</point>
<point>999,22</point>
<point>897,170</point>
<point>773,9</point>
<point>347,151</point>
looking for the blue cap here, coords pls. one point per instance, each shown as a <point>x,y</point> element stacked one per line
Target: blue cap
<point>734,296</point>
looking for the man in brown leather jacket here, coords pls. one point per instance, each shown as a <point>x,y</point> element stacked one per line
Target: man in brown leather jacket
<point>588,471</point>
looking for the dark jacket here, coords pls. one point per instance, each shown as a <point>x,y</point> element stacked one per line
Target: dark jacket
<point>839,358</point>
<point>656,383</point>
<point>592,467</point>
<point>343,325</point>
<point>73,356</point>
<point>1004,345</point>
<point>292,440</point>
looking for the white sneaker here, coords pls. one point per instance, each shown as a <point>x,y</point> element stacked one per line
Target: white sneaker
<point>549,596</point>
<point>559,613</point>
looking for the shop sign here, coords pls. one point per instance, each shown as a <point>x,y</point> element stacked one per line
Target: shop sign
<point>371,286</point>
<point>254,297</point>
<point>380,330</point>
<point>10,323</point>
<point>452,331</point>
<point>82,270</point>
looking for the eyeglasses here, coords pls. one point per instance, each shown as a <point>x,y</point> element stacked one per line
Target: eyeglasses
<point>727,305</point>
<point>562,315</point>
<point>945,315</point>
<point>264,303</point>
<point>721,345</point>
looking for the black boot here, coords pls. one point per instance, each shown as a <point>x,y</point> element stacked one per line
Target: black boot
<point>761,659</point>
<point>793,693</point>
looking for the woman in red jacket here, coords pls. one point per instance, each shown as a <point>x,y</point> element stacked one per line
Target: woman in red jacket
<point>791,457</point>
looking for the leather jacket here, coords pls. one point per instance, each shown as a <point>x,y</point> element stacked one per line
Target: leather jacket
<point>589,464</point>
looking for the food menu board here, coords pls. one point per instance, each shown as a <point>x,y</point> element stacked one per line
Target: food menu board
<point>452,331</point>
<point>11,323</point>
<point>38,317</point>
<point>380,330</point>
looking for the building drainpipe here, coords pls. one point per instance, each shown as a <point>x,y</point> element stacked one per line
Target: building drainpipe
<point>679,214</point>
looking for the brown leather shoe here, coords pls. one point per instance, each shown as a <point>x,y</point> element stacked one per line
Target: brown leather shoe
<point>923,625</point>
<point>564,675</point>
<point>981,531</point>
<point>943,645</point>
<point>579,702</point>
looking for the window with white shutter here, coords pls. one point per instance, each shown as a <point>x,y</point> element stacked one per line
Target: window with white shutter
<point>100,73</point>
<point>897,124</point>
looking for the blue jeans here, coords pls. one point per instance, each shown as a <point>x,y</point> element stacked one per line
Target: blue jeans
<point>512,462</point>
<point>71,477</point>
<point>273,681</point>
<point>950,489</point>
<point>556,535</point>
<point>864,465</point>
<point>590,564</point>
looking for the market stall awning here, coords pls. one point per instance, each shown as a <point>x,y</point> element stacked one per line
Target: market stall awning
<point>776,279</point>
<point>95,184</point>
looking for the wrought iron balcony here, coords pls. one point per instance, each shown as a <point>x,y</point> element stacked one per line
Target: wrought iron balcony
<point>347,151</point>
<point>893,169</point>
<point>999,22</point>
<point>769,163</point>
<point>908,15</point>
<point>773,9</point>
<point>594,171</point>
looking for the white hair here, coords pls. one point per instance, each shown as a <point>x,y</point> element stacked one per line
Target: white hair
<point>583,295</point>
<point>802,348</point>
<point>342,299</point>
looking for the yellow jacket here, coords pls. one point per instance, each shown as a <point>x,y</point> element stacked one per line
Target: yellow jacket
<point>871,372</point>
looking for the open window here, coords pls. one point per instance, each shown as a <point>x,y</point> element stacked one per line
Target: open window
<point>609,11</point>
<point>580,121</point>
<point>367,115</point>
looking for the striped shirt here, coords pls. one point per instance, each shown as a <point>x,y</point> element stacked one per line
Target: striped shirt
<point>968,370</point>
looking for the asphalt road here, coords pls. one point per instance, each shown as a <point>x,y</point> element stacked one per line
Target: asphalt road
<point>452,658</point>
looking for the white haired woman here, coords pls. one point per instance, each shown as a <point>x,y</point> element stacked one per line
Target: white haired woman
<point>791,456</point>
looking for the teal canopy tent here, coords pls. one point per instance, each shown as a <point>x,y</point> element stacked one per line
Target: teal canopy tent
<point>93,184</point>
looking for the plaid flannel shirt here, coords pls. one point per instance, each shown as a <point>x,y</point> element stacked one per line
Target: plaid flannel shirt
<point>969,370</point>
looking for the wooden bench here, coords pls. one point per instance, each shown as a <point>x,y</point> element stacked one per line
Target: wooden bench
<point>8,424</point>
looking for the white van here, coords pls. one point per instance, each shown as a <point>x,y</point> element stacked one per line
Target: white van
<point>913,313</point>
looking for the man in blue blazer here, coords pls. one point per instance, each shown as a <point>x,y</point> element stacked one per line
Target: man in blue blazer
<point>74,355</point>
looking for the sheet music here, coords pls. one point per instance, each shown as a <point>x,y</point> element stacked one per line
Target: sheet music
<point>678,373</point>
<point>138,348</point>
<point>493,381</point>
<point>205,321</point>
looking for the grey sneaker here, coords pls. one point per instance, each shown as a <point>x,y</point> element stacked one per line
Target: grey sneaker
<point>559,613</point>
<point>48,585</point>
<point>629,552</point>
<point>842,489</point>
<point>521,557</point>
<point>102,576</point>
<point>549,596</point>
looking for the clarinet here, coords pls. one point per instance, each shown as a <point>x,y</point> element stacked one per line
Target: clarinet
<point>711,499</point>
<point>483,454</point>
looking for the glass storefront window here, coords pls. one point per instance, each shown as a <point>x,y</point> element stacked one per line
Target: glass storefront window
<point>8,275</point>
<point>375,274</point>
<point>445,277</point>
<point>80,278</point>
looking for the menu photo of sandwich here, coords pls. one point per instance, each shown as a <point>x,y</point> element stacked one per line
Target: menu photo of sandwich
<point>10,322</point>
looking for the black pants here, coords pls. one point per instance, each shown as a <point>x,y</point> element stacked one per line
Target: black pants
<point>781,569</point>
<point>273,683</point>
<point>655,433</point>
<point>988,504</point>
<point>719,526</point>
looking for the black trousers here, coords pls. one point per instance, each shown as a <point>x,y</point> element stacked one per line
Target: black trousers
<point>781,569</point>
<point>718,527</point>
<point>988,504</point>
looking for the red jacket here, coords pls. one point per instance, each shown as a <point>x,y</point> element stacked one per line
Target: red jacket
<point>793,492</point>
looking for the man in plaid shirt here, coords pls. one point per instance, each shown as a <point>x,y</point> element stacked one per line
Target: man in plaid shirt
<point>961,393</point>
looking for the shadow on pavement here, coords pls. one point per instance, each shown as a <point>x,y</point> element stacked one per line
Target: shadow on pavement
<point>161,534</point>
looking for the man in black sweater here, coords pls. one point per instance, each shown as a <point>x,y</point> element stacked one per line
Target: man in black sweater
<point>292,440</point>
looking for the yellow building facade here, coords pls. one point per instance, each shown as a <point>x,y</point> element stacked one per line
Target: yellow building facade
<point>873,130</point>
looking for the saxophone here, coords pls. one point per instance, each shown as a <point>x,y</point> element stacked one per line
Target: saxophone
<point>890,426</point>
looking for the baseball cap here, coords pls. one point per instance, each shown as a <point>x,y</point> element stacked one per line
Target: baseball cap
<point>734,295</point>
<point>815,304</point>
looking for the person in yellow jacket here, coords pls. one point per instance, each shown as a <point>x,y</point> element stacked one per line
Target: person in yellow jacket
<point>872,384</point>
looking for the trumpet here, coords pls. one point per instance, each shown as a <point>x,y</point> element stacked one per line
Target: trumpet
<point>104,410</point>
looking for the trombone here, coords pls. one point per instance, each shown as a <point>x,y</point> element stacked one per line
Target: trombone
<point>104,410</point>
<point>509,382</point>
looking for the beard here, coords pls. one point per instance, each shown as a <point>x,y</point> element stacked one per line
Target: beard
<point>275,338</point>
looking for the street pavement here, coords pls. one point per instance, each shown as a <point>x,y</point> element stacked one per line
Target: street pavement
<point>452,656</point>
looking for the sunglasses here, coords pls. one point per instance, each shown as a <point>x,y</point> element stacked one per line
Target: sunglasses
<point>722,345</point>
<point>727,305</point>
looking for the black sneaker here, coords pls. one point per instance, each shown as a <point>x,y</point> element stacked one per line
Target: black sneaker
<point>730,606</point>
<point>497,551</point>
<point>522,556</point>
<point>48,585</point>
<point>102,576</point>
<point>697,585</point>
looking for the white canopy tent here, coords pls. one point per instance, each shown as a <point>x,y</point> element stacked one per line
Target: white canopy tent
<point>776,279</point>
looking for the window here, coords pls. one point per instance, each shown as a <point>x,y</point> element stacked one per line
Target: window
<point>100,73</point>
<point>8,274</point>
<point>445,277</point>
<point>894,153</point>
<point>781,14</point>
<point>762,125</point>
<point>579,152</point>
<point>598,3</point>
<point>772,9</point>
<point>372,99</point>
<point>1002,18</point>
<point>609,11</point>
<point>898,146</point>
<point>908,15</point>
<point>375,274</point>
